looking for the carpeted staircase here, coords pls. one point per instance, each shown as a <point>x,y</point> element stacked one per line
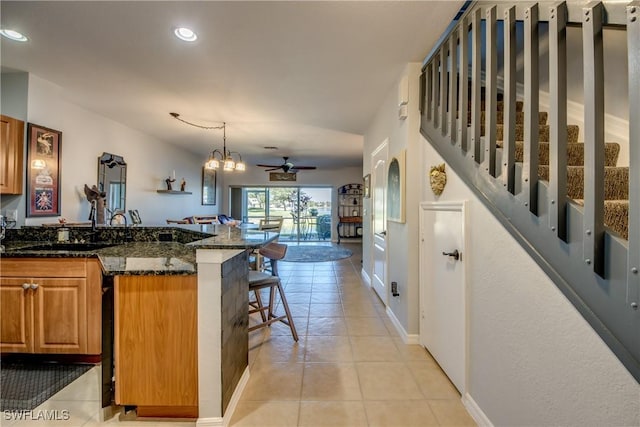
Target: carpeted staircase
<point>616,209</point>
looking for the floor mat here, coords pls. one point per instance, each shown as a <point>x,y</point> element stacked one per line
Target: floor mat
<point>315,253</point>
<point>25,385</point>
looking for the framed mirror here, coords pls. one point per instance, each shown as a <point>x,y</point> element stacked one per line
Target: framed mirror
<point>112,179</point>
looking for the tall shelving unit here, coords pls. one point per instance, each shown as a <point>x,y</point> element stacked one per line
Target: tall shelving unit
<point>349,211</point>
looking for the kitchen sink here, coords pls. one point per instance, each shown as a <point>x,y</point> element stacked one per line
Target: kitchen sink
<point>70,247</point>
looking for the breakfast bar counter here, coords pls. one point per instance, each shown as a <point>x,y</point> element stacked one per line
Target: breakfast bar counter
<point>179,298</point>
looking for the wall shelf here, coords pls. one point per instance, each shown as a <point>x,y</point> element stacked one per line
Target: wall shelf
<point>350,211</point>
<point>174,192</point>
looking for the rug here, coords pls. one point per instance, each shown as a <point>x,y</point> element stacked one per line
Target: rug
<point>315,253</point>
<point>25,385</point>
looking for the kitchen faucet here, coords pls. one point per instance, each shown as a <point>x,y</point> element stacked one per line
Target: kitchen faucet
<point>128,235</point>
<point>92,215</point>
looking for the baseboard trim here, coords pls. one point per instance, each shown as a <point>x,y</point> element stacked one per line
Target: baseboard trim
<point>406,338</point>
<point>365,277</point>
<point>226,419</point>
<point>231,408</point>
<point>476,413</point>
<point>210,422</point>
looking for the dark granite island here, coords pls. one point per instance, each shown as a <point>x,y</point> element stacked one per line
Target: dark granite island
<point>210,344</point>
<point>157,279</point>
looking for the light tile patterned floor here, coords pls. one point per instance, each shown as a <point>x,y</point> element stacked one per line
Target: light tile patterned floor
<point>350,368</point>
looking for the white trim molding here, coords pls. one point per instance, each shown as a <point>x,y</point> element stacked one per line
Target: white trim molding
<point>476,413</point>
<point>406,338</point>
<point>365,277</point>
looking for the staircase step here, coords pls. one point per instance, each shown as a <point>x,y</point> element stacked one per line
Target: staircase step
<point>575,153</point>
<point>543,130</point>
<point>500,105</point>
<point>616,216</point>
<point>542,117</point>
<point>616,181</point>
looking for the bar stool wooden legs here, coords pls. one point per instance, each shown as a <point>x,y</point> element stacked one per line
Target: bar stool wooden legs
<point>260,280</point>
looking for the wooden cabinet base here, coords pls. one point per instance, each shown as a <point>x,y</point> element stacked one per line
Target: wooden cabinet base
<point>167,411</point>
<point>155,341</point>
<point>51,306</point>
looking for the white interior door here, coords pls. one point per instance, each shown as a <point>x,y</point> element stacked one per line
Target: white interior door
<point>442,287</point>
<point>379,226</point>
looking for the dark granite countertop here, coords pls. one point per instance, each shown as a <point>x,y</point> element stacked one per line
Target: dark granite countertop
<point>144,255</point>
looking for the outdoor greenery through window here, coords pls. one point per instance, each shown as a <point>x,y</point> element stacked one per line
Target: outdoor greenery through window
<point>306,211</point>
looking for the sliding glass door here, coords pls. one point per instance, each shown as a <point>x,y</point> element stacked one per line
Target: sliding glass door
<point>306,211</point>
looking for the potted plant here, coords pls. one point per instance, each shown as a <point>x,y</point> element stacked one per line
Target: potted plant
<point>313,212</point>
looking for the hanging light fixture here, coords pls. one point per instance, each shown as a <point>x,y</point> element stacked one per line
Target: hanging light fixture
<point>217,157</point>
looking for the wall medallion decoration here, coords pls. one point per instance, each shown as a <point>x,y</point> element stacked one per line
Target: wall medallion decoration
<point>437,179</point>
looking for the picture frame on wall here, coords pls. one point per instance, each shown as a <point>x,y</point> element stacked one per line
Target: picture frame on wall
<point>396,188</point>
<point>208,186</point>
<point>44,147</point>
<point>366,186</point>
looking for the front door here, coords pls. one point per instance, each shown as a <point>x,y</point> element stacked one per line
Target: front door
<point>442,287</point>
<point>379,228</point>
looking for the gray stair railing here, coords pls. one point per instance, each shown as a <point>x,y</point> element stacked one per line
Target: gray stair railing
<point>595,267</point>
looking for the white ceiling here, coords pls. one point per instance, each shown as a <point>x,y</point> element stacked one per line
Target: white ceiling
<point>305,76</point>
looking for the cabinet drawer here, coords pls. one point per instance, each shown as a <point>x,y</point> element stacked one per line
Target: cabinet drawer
<point>44,267</point>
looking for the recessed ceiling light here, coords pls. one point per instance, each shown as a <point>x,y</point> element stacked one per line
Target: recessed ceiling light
<point>13,35</point>
<point>185,34</point>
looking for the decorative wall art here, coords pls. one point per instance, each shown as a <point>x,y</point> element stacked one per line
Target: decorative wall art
<point>43,171</point>
<point>282,176</point>
<point>437,179</point>
<point>396,188</point>
<point>208,186</point>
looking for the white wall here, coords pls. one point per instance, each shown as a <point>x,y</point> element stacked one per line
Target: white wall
<point>86,135</point>
<point>534,360</point>
<point>402,239</point>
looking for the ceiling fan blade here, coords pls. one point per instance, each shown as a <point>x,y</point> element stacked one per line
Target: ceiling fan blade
<point>269,166</point>
<point>273,169</point>
<point>304,167</point>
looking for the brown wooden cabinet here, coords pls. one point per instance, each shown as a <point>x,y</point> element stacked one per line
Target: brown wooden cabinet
<point>50,306</point>
<point>11,155</point>
<point>156,344</point>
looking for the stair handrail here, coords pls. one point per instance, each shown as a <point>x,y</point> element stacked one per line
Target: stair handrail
<point>594,267</point>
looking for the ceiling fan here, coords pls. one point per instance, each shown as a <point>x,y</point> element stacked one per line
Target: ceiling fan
<point>287,166</point>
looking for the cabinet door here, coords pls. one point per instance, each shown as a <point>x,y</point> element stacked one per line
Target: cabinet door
<point>60,314</point>
<point>15,322</point>
<point>11,154</point>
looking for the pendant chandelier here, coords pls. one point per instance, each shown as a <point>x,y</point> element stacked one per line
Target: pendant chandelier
<point>216,158</point>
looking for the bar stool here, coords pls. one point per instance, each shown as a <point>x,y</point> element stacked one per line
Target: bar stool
<point>259,280</point>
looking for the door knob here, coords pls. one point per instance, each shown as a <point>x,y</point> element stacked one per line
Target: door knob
<point>34,286</point>
<point>455,254</point>
<point>383,233</point>
<point>26,286</point>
